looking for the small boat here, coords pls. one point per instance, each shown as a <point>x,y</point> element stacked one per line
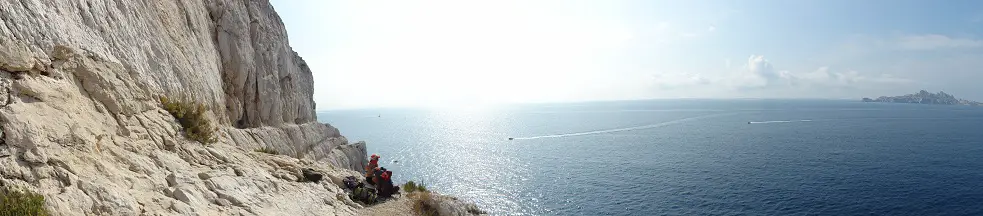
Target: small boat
<point>748,122</point>
<point>510,138</point>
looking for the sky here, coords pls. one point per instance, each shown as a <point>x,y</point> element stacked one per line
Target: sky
<point>367,54</point>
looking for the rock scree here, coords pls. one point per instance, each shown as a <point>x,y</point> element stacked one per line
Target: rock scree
<point>82,124</point>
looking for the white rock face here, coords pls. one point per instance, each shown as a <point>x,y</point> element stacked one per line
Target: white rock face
<point>81,123</point>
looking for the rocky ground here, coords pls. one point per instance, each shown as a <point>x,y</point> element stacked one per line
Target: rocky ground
<point>132,176</point>
<point>396,206</point>
<point>404,205</point>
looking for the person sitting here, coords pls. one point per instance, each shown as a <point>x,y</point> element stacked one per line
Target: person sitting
<point>385,185</point>
<point>377,174</point>
<point>370,169</point>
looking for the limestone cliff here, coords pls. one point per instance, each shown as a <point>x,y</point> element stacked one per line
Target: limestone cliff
<point>81,123</point>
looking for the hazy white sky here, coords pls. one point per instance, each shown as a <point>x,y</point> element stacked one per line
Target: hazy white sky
<point>447,53</point>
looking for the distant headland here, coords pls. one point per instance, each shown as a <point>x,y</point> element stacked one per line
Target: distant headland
<point>925,97</point>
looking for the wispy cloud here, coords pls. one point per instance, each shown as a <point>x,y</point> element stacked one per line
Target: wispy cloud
<point>935,41</point>
<point>823,76</point>
<point>759,74</point>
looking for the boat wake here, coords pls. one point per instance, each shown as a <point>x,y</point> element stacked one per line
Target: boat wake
<point>668,123</point>
<point>786,121</point>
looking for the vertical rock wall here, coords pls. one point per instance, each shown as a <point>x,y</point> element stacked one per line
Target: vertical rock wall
<point>81,124</point>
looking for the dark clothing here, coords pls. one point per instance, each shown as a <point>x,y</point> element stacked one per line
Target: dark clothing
<point>351,182</point>
<point>374,178</point>
<point>385,188</point>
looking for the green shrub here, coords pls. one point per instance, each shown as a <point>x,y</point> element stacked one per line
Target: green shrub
<point>17,203</point>
<point>411,186</point>
<point>267,150</point>
<point>192,117</point>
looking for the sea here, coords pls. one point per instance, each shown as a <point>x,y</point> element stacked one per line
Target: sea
<point>686,157</point>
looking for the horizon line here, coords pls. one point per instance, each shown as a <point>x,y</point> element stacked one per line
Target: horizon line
<point>583,101</point>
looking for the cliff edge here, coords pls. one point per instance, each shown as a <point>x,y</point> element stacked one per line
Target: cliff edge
<point>82,124</point>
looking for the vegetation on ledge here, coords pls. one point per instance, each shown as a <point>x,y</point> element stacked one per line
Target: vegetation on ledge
<point>412,186</point>
<point>192,117</point>
<point>18,203</point>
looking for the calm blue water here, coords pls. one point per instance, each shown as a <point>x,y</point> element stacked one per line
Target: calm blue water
<point>688,157</point>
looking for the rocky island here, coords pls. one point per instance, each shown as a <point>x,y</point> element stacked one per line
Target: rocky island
<point>925,97</point>
<point>119,107</point>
